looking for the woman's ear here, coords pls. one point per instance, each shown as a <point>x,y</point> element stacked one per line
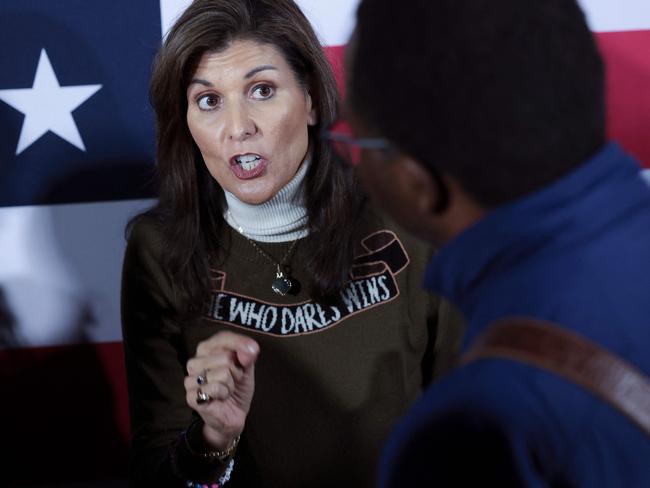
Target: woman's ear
<point>312,118</point>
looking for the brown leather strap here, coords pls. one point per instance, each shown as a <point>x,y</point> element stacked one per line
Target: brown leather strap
<point>567,354</point>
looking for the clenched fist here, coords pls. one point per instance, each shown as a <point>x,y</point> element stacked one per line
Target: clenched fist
<point>220,385</point>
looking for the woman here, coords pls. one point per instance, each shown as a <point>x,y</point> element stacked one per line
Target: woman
<point>273,323</point>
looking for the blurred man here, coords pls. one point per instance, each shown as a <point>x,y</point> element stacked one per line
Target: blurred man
<point>482,124</point>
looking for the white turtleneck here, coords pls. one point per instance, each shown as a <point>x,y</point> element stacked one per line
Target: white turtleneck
<point>280,219</point>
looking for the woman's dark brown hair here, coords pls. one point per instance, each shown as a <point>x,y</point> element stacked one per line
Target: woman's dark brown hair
<point>190,207</point>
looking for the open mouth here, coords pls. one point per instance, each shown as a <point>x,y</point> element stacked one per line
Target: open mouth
<point>247,166</point>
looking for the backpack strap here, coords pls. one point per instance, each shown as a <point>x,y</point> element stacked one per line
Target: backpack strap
<point>549,346</point>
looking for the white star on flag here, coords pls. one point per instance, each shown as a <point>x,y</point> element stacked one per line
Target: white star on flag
<point>48,106</point>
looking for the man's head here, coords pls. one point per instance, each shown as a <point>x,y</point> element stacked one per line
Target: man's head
<point>492,99</point>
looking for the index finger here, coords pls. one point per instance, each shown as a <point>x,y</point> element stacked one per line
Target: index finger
<point>229,341</point>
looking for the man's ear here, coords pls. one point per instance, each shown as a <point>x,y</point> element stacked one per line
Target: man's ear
<point>423,196</point>
<point>416,183</point>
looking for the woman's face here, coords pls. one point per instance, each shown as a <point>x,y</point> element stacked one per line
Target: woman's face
<point>249,116</point>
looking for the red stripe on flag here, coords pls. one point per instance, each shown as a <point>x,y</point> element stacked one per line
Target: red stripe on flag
<point>627,57</point>
<point>335,56</point>
<point>64,414</point>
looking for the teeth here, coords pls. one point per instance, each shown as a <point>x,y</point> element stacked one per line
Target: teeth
<point>249,165</point>
<point>248,161</point>
<point>247,158</point>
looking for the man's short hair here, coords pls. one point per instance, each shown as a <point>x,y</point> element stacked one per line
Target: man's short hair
<point>505,96</point>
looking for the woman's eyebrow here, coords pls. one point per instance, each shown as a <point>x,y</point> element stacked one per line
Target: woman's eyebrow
<point>252,72</point>
<point>200,82</point>
<point>264,67</point>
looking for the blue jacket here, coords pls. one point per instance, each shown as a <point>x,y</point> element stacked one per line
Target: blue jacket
<point>577,253</point>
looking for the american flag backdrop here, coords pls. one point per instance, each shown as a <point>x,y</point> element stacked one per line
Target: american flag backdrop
<point>76,153</point>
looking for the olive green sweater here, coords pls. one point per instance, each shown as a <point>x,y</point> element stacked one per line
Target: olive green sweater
<point>330,380</point>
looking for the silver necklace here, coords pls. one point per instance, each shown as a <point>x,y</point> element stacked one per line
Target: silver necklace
<point>282,284</point>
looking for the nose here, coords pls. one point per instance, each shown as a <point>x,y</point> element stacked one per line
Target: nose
<point>238,123</point>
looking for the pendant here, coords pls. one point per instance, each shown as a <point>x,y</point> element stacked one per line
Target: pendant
<point>281,284</point>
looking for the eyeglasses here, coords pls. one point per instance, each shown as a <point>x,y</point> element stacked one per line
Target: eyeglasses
<point>348,147</point>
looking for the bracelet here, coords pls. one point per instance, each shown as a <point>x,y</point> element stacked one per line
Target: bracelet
<point>216,455</point>
<point>219,484</point>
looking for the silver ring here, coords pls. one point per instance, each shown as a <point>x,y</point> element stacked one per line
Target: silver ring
<point>202,397</point>
<point>202,379</point>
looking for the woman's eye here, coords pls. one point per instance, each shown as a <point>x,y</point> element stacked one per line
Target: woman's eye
<point>263,92</point>
<point>208,102</point>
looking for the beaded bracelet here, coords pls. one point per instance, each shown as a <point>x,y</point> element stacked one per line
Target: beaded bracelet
<point>225,477</point>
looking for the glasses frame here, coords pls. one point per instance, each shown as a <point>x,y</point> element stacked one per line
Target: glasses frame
<point>374,143</point>
<point>371,143</point>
